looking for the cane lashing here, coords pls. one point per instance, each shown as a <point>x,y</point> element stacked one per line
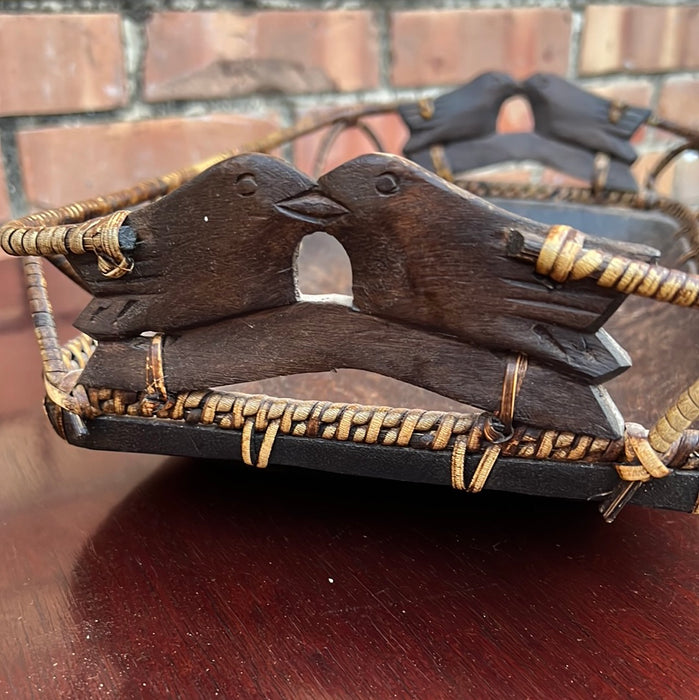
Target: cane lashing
<point>441,163</point>
<point>99,236</point>
<point>648,454</point>
<point>642,461</point>
<point>676,420</point>
<point>563,257</point>
<point>495,434</point>
<point>155,373</point>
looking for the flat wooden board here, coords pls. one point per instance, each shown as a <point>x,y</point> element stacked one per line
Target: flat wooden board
<point>308,337</point>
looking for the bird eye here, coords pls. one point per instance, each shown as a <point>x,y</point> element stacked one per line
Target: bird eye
<point>246,185</point>
<point>387,183</point>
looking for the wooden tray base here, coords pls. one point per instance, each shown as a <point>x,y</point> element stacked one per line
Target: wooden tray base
<point>572,480</point>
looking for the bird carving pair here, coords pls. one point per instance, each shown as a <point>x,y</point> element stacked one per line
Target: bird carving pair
<point>571,126</point>
<point>424,253</point>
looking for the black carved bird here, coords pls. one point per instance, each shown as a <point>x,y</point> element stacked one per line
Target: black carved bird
<point>425,252</point>
<point>571,127</point>
<point>219,246</point>
<point>468,112</point>
<point>564,112</point>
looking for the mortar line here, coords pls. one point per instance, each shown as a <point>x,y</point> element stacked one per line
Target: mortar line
<point>13,170</point>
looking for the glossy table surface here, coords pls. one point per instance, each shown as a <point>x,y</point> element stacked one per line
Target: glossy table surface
<point>132,576</point>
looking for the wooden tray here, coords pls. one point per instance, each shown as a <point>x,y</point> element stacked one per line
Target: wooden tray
<point>486,299</point>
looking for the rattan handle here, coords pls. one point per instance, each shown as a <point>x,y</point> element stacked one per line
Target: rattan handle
<point>101,236</point>
<point>677,419</point>
<point>562,257</point>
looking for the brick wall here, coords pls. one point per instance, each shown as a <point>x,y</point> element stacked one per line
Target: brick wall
<point>95,94</point>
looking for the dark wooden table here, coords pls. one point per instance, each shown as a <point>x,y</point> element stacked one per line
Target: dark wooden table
<point>151,577</point>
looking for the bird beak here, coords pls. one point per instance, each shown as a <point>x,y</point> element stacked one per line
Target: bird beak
<point>312,207</point>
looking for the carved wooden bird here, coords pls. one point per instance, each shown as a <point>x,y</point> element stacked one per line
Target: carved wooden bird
<point>437,258</point>
<point>571,127</point>
<point>468,112</point>
<point>219,246</point>
<point>565,112</point>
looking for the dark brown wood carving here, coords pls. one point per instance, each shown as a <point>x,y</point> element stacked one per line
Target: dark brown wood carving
<point>426,252</point>
<point>571,126</point>
<point>219,246</point>
<point>317,337</point>
<point>437,301</point>
<point>462,156</point>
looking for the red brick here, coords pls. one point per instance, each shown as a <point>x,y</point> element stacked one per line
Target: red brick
<point>237,53</point>
<point>53,64</point>
<point>65,164</point>
<point>13,307</point>
<point>638,39</point>
<point>10,279</point>
<point>389,128</point>
<point>515,116</point>
<point>685,182</point>
<point>679,101</point>
<point>452,46</point>
<point>22,387</point>
<point>67,299</point>
<point>633,92</point>
<point>680,180</point>
<point>645,164</point>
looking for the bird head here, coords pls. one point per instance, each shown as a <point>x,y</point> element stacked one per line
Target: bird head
<point>259,179</point>
<point>388,191</point>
